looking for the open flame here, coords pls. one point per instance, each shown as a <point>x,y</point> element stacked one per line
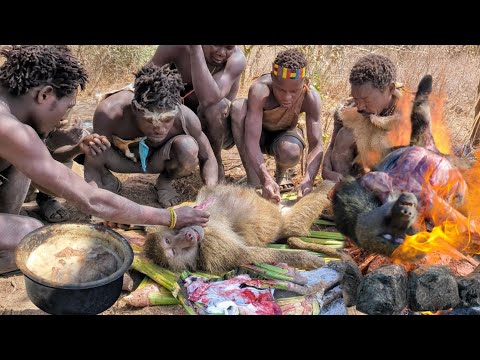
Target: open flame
<point>456,232</point>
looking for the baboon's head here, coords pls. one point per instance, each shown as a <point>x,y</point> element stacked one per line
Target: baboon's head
<point>176,250</point>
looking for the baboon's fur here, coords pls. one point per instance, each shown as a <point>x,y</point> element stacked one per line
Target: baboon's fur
<point>241,224</point>
<point>372,133</point>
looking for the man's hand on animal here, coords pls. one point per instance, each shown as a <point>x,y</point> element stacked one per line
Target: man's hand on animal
<point>305,188</point>
<point>94,144</point>
<point>190,216</point>
<point>271,190</point>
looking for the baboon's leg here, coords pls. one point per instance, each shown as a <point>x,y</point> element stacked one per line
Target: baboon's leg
<point>421,117</point>
<point>295,259</point>
<point>350,200</point>
<point>300,217</point>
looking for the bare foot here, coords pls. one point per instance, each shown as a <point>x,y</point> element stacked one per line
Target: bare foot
<point>166,194</point>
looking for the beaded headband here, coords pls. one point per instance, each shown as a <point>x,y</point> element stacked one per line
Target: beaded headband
<point>286,73</point>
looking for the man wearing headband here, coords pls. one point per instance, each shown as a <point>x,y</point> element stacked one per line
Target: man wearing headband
<point>212,76</point>
<point>151,132</point>
<point>267,121</point>
<point>366,123</point>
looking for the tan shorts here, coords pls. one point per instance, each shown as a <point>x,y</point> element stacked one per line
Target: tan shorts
<point>268,139</point>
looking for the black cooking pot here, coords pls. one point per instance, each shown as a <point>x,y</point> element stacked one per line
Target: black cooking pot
<point>74,299</point>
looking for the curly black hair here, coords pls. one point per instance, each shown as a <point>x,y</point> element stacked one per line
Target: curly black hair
<point>157,87</point>
<point>28,66</point>
<point>291,59</point>
<point>377,69</point>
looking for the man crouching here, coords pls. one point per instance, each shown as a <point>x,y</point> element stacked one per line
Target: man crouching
<point>151,133</point>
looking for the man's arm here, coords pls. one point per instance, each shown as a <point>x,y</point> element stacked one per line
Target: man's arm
<point>257,97</point>
<point>313,112</point>
<point>22,147</point>
<point>208,162</point>
<point>103,119</point>
<point>327,171</point>
<point>208,90</point>
<point>166,54</point>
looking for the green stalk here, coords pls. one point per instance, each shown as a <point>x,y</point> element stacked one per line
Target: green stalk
<point>158,298</point>
<point>186,304</point>
<point>274,268</point>
<point>326,235</point>
<point>322,241</point>
<point>277,284</point>
<point>323,222</point>
<point>205,275</point>
<point>266,273</point>
<point>278,246</point>
<point>160,275</point>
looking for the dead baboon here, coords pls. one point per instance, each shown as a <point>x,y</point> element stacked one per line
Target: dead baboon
<point>360,215</point>
<point>241,224</point>
<point>380,208</point>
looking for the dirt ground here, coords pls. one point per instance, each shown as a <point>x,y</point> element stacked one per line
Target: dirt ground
<point>136,187</point>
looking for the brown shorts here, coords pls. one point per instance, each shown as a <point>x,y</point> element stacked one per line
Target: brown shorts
<point>270,138</point>
<point>166,148</point>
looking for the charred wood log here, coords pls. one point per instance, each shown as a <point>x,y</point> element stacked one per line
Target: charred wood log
<point>383,291</point>
<point>469,290</point>
<point>433,288</point>
<point>351,279</point>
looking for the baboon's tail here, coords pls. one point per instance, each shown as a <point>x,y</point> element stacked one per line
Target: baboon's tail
<point>300,217</point>
<point>421,117</point>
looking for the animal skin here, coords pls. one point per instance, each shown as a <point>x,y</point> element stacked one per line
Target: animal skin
<point>374,135</point>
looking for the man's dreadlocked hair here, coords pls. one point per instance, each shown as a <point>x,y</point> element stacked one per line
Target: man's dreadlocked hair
<point>377,69</point>
<point>291,59</point>
<point>28,66</point>
<point>157,87</point>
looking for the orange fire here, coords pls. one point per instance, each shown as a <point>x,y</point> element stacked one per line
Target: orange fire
<point>456,233</point>
<point>400,135</point>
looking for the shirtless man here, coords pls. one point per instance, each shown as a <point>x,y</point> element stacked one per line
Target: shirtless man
<point>38,84</point>
<point>64,144</point>
<point>212,76</point>
<point>166,137</point>
<point>266,122</point>
<point>374,98</point>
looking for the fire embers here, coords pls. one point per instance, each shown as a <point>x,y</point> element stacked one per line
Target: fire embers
<point>389,290</point>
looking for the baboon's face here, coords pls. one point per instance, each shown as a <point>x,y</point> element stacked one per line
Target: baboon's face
<point>177,249</point>
<point>372,101</point>
<point>178,242</point>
